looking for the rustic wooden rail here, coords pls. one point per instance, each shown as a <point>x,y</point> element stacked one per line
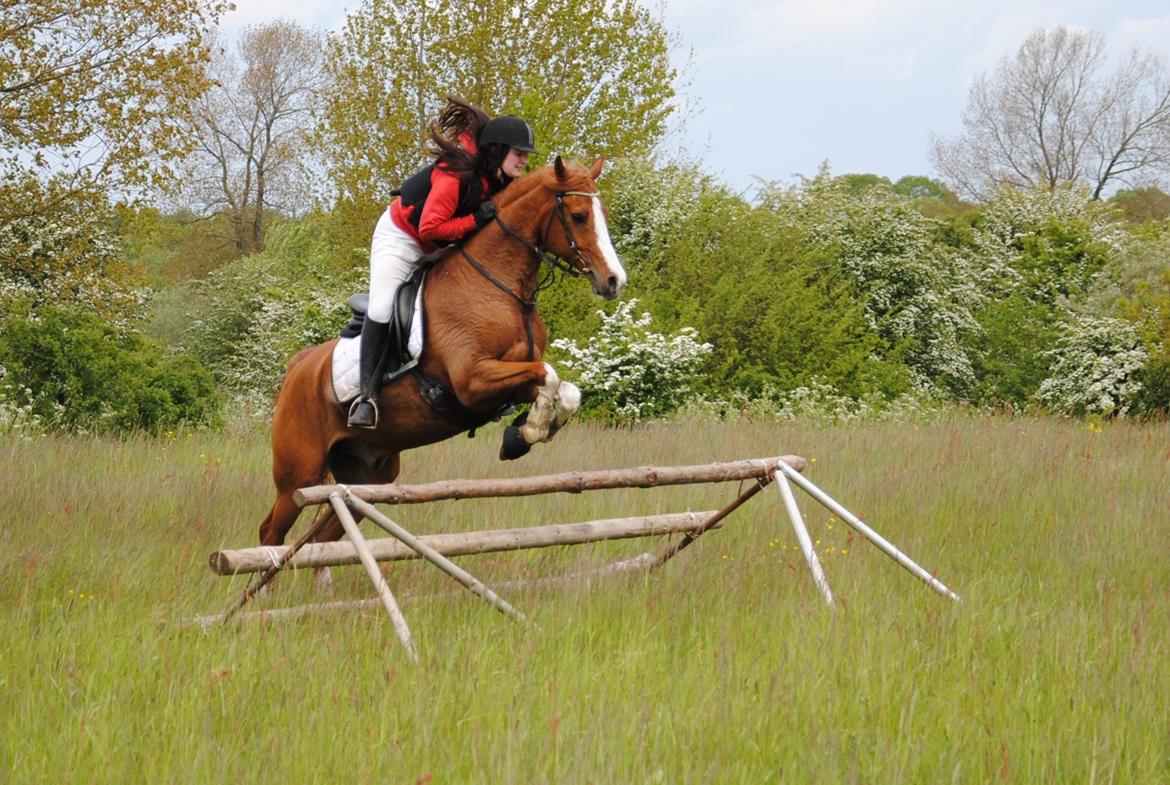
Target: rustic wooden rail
<point>566,482</point>
<point>333,554</point>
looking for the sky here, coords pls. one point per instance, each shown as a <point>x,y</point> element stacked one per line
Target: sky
<point>775,88</point>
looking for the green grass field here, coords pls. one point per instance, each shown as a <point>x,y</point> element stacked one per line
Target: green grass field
<point>724,667</point>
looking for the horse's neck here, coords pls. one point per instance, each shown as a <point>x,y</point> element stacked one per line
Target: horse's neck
<point>514,259</point>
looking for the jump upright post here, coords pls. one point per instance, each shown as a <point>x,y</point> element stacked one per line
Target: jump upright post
<point>360,499</point>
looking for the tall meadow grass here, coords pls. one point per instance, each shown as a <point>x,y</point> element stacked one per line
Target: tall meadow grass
<point>725,666</point>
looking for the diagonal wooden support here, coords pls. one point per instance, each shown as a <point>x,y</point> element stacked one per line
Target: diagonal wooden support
<point>277,566</point>
<point>384,593</point>
<point>433,556</point>
<point>711,522</point>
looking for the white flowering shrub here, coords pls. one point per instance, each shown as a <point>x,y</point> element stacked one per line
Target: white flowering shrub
<point>1095,369</point>
<point>919,294</point>
<point>648,205</point>
<point>249,317</point>
<point>627,373</point>
<point>1046,245</point>
<point>65,252</point>
<point>17,417</point>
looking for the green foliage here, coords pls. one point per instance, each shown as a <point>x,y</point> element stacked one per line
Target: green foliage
<point>1047,245</point>
<point>1153,398</point>
<point>98,87</point>
<point>169,249</point>
<point>774,306</point>
<point>918,297</point>
<point>247,318</point>
<point>591,76</point>
<point>1012,351</point>
<point>1142,205</point>
<point>70,370</point>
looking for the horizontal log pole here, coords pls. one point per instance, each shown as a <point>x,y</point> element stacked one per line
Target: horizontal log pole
<point>284,614</point>
<point>331,554</point>
<point>567,482</point>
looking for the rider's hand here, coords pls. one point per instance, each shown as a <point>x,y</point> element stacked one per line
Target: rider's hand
<point>485,212</point>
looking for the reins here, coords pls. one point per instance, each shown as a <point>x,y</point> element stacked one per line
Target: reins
<point>554,262</point>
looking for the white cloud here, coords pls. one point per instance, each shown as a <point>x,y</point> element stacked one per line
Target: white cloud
<point>326,14</point>
<point>802,21</point>
<point>1149,34</point>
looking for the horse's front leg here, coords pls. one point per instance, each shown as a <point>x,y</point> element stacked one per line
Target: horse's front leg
<point>553,400</point>
<point>554,404</point>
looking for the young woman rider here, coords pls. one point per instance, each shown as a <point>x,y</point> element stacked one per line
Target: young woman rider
<point>476,157</point>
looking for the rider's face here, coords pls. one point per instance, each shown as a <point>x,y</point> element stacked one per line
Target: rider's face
<point>514,162</point>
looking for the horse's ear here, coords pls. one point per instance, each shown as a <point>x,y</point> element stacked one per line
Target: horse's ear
<point>595,170</point>
<point>559,166</point>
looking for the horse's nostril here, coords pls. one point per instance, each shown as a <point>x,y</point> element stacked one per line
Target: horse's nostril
<point>613,283</point>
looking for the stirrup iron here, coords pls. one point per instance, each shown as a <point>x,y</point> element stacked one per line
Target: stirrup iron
<point>353,408</point>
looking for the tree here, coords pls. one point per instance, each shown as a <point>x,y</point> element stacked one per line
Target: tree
<point>1141,205</point>
<point>590,75</point>
<point>1053,116</point>
<point>89,91</point>
<point>251,126</point>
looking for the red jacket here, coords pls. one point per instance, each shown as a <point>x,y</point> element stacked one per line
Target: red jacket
<point>438,224</point>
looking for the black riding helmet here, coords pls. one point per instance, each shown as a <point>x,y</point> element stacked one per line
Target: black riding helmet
<point>508,130</point>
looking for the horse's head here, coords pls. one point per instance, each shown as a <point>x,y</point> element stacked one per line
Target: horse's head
<point>577,230</point>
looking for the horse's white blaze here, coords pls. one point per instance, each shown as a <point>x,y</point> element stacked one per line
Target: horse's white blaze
<point>606,245</point>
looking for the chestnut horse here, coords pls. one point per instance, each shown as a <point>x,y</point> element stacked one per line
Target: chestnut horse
<point>483,343</point>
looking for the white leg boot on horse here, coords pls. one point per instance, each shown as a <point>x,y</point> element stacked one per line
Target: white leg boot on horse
<point>568,399</point>
<point>544,408</point>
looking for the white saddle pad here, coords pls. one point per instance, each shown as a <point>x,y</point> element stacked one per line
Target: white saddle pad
<point>347,356</point>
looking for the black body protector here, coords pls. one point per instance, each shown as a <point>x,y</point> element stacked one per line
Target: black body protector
<point>414,192</point>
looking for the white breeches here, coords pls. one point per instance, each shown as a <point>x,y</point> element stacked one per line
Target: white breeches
<point>393,256</point>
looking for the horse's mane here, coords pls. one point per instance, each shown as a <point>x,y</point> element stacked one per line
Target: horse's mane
<point>576,179</point>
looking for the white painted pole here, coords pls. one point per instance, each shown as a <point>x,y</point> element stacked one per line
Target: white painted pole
<point>806,545</point>
<point>865,531</point>
<point>433,556</point>
<point>384,593</point>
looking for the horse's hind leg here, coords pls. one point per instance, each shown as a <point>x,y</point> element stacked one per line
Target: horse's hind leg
<point>280,519</point>
<point>290,471</point>
<point>349,470</point>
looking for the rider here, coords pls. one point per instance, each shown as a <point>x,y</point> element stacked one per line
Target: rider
<point>438,205</point>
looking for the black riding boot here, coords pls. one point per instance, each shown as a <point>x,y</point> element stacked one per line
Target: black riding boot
<point>363,413</point>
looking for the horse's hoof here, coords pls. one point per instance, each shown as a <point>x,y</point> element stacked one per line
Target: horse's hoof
<point>513,446</point>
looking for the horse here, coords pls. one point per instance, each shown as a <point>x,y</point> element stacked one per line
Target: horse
<point>483,343</point>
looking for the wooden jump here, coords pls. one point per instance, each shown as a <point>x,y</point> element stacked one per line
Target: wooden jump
<point>346,500</point>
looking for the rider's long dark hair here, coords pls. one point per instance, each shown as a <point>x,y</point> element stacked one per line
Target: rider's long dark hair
<point>458,117</point>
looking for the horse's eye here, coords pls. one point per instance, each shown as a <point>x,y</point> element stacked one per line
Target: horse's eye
<point>580,217</point>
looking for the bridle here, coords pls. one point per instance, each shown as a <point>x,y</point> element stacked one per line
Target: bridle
<point>575,266</point>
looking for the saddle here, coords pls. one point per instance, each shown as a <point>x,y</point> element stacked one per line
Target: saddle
<point>398,359</point>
